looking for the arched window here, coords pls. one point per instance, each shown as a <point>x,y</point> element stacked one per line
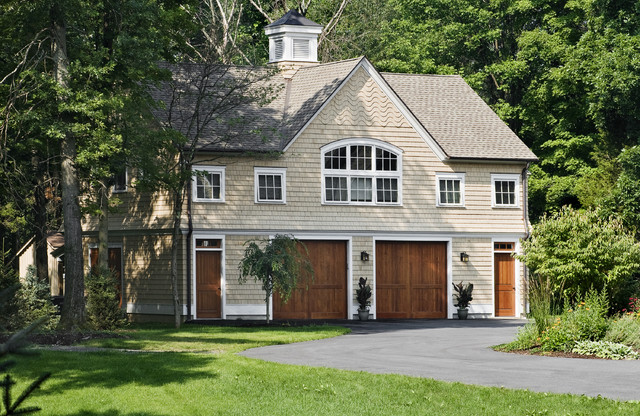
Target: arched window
<point>361,171</point>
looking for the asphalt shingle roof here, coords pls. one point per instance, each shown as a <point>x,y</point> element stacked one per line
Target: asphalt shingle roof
<point>462,124</point>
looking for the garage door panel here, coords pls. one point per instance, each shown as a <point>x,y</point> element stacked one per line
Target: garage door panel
<point>411,279</point>
<point>327,293</point>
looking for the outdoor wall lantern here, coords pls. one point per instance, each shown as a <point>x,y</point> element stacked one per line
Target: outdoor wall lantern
<point>364,256</point>
<point>464,257</point>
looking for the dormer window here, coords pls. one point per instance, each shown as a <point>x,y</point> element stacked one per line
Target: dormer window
<point>361,172</point>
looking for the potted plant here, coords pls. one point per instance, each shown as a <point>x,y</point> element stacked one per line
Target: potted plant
<point>363,296</point>
<point>463,298</point>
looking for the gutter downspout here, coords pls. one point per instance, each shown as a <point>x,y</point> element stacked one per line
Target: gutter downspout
<point>189,237</point>
<point>525,190</point>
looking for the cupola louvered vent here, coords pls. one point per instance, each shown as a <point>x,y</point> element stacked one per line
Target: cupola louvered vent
<point>301,49</point>
<point>278,51</point>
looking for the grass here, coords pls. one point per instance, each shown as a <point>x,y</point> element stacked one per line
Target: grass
<point>182,381</point>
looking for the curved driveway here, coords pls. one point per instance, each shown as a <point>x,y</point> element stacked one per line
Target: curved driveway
<point>452,350</point>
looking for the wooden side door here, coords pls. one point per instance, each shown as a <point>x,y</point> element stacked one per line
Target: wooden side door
<point>208,290</point>
<point>505,284</point>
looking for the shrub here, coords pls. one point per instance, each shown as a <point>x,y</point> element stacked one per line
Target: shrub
<point>624,330</point>
<point>605,349</point>
<point>540,303</point>
<point>526,338</point>
<point>578,250</point>
<point>103,301</point>
<point>585,321</point>
<point>33,301</point>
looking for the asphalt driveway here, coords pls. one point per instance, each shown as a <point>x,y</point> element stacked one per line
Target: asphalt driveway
<point>452,350</point>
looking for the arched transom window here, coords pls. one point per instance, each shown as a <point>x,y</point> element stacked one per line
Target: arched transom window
<point>360,171</point>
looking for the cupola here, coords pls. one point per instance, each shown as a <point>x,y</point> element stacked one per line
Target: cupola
<point>293,40</point>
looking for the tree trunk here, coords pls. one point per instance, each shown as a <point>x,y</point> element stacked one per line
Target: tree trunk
<point>103,230</point>
<point>73,310</point>
<point>175,240</point>
<point>40,219</point>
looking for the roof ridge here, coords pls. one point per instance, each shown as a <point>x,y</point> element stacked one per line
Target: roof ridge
<point>423,75</point>
<point>330,63</point>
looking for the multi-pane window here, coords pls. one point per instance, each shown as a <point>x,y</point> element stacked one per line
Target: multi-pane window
<point>505,190</point>
<point>450,189</point>
<point>362,172</point>
<point>270,185</point>
<point>120,181</point>
<point>208,184</point>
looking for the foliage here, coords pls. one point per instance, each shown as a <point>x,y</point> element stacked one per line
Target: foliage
<point>363,294</point>
<point>578,250</point>
<point>624,329</point>
<point>605,349</point>
<point>103,301</point>
<point>463,294</point>
<point>281,266</point>
<point>540,303</point>
<point>15,345</point>
<point>585,321</point>
<point>624,198</point>
<point>33,304</point>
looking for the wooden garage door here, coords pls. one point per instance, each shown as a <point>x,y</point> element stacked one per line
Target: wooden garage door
<point>411,279</point>
<point>327,294</point>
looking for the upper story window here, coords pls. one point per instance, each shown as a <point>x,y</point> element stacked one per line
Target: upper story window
<point>208,183</point>
<point>505,190</point>
<point>120,181</point>
<point>361,172</point>
<point>270,185</point>
<point>450,189</point>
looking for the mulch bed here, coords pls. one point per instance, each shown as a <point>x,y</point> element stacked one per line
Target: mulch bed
<point>555,354</point>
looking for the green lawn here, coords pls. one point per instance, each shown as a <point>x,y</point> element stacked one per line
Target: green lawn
<point>185,380</point>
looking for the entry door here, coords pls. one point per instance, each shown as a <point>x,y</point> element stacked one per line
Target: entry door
<point>208,290</point>
<point>505,283</point>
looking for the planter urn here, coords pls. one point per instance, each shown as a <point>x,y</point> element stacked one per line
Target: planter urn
<point>463,313</point>
<point>363,314</point>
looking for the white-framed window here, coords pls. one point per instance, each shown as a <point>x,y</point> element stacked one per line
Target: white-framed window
<point>505,190</point>
<point>450,189</point>
<point>301,49</point>
<point>270,185</point>
<point>120,181</point>
<point>208,183</point>
<point>361,172</point>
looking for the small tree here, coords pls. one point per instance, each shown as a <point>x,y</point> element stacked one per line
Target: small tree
<point>281,265</point>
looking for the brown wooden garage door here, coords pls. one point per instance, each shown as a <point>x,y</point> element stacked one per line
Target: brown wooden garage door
<point>327,294</point>
<point>411,279</point>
